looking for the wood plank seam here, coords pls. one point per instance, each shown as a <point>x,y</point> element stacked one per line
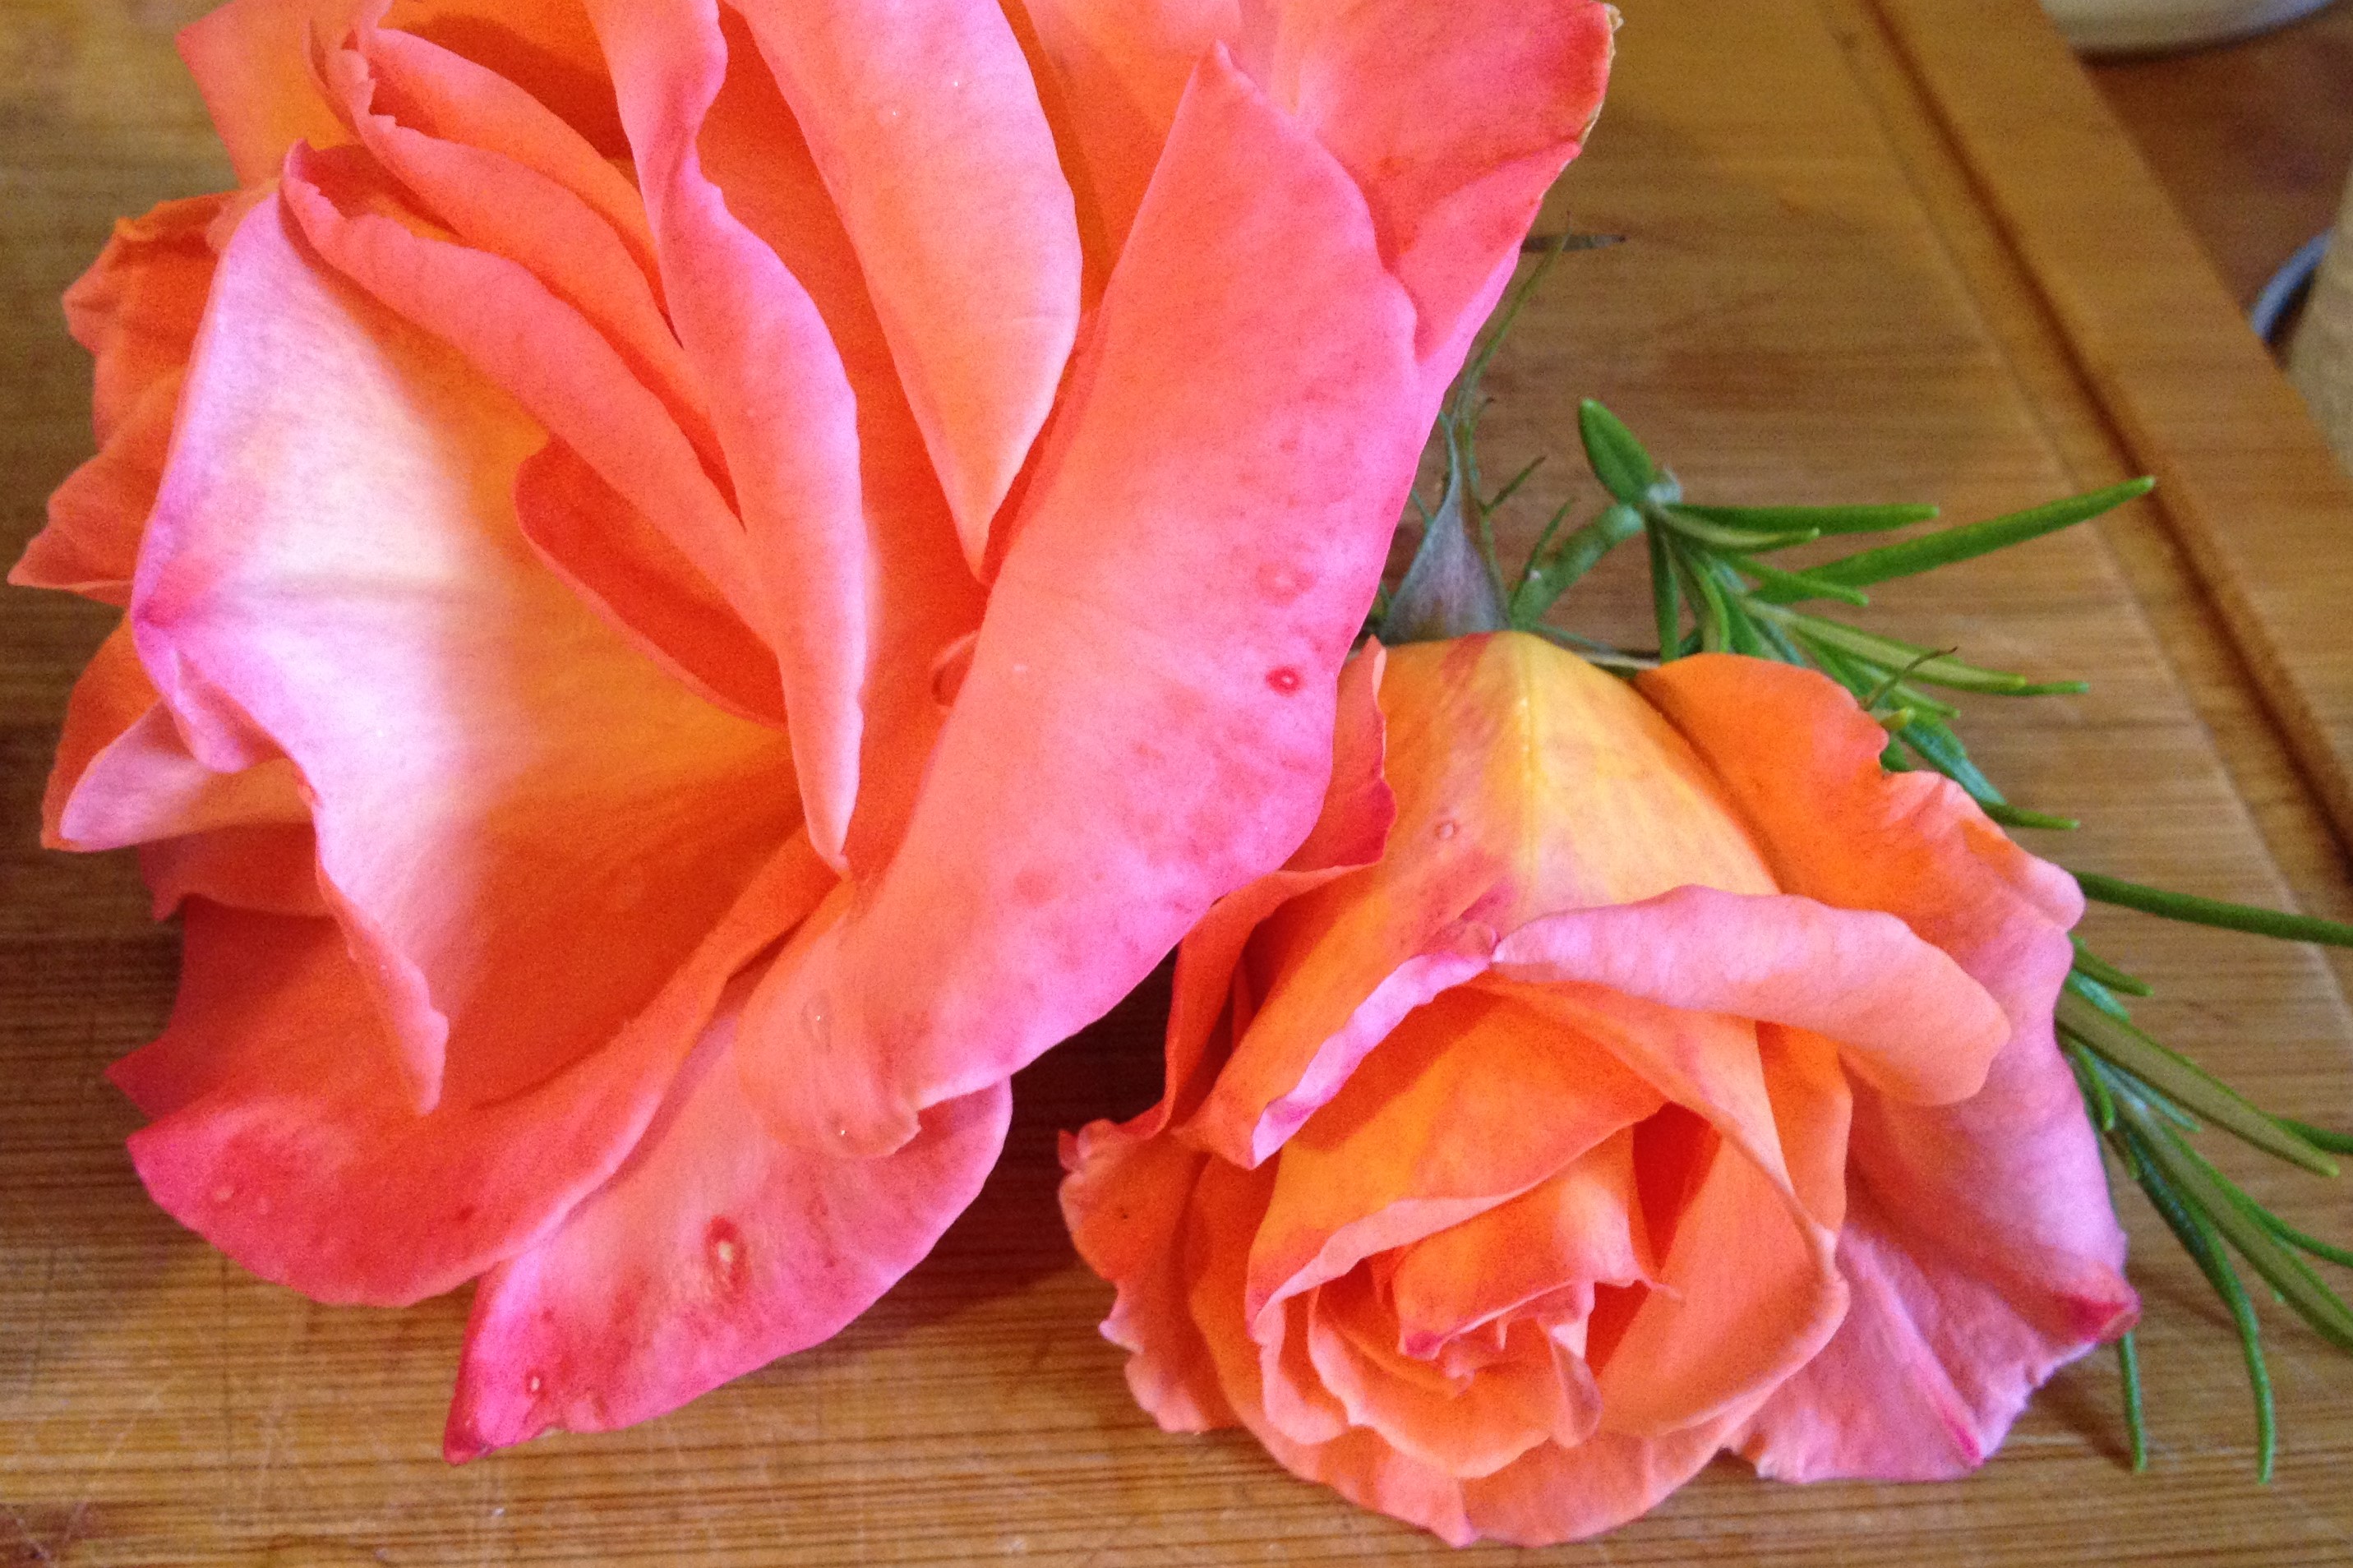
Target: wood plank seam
<point>2094,455</point>
<point>2124,373</point>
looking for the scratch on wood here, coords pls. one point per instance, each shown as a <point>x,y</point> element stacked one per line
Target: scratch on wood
<point>41,1319</point>
<point>273,1408</point>
<point>227,1384</point>
<point>44,1541</point>
<point>47,1539</point>
<point>687,1473</point>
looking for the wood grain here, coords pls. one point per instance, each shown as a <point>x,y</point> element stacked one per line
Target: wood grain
<point>1824,294</point>
<point>2320,356</point>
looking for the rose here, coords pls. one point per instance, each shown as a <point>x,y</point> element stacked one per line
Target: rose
<point>1673,1080</point>
<point>703,587</point>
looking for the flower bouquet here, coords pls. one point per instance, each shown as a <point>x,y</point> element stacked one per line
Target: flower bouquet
<point>704,585</point>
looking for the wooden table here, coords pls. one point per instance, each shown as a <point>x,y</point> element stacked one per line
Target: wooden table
<point>2252,139</point>
<point>1876,249</point>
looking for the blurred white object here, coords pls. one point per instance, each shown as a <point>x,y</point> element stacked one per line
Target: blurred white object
<point>2129,26</point>
<point>2320,358</point>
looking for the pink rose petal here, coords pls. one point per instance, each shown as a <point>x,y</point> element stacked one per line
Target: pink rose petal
<point>1111,73</point>
<point>780,398</point>
<point>500,783</point>
<point>282,1137</point>
<point>1174,607</point>
<point>929,135</point>
<point>1914,1024</point>
<point>715,1250</point>
<point>925,598</point>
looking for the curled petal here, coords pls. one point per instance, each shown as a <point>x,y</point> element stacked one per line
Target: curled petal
<point>1471,1101</point>
<point>1450,193</point>
<point>144,785</point>
<point>1801,762</point>
<point>1748,1294</point>
<point>1340,965</point>
<point>137,307</point>
<point>111,695</point>
<point>780,398</point>
<point>532,344</point>
<point>460,101</point>
<point>1983,1250</point>
<point>622,565</point>
<point>539,221</point>
<point>1549,1493</point>
<point>1298,1403</point>
<point>1363,1467</point>
<point>282,1137</point>
<point>1111,73</point>
<point>1583,1225</point>
<point>1716,1182</point>
<point>251,59</point>
<point>929,134</point>
<point>1271,1086</point>
<point>1526,782</point>
<point>1914,1023</point>
<point>124,775</point>
<point>1126,1202</point>
<point>924,598</point>
<point>1147,721</point>
<point>716,1250</point>
<point>1472,1425</point>
<point>1983,1255</point>
<point>335,575</point>
<point>1708,1063</point>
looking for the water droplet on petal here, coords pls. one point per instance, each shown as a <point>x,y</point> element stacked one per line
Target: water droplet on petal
<point>531,1385</point>
<point>1284,679</point>
<point>1448,828</point>
<point>728,1252</point>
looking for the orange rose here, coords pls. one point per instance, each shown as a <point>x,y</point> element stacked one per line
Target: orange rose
<point>703,582</point>
<point>1675,1079</point>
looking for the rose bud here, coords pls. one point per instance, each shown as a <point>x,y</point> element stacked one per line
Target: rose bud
<point>1620,1073</point>
<point>703,583</point>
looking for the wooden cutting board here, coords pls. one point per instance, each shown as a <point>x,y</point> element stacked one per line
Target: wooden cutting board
<point>1875,249</point>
